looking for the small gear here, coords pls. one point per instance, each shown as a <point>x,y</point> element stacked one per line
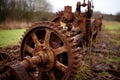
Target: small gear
<point>4,59</point>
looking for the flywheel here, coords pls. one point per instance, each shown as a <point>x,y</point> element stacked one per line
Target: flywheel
<point>63,61</point>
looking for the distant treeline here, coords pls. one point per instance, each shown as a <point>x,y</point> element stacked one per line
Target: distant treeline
<point>29,10</point>
<point>34,10</point>
<point>108,17</point>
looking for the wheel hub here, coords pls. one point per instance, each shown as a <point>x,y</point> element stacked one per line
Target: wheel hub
<point>47,57</point>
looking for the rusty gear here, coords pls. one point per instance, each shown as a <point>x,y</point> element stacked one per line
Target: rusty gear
<point>4,59</point>
<point>47,37</point>
<point>55,17</point>
<point>52,50</point>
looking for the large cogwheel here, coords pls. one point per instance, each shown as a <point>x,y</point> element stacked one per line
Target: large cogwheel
<point>64,64</point>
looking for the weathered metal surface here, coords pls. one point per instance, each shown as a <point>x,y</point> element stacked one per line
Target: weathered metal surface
<point>78,22</point>
<point>4,59</point>
<point>57,55</point>
<point>50,50</point>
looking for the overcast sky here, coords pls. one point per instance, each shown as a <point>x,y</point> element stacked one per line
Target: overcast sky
<point>104,6</point>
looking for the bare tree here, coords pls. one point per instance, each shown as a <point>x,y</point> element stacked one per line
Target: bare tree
<point>23,9</point>
<point>118,16</point>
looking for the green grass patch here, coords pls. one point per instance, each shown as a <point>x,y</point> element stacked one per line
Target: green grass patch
<point>113,27</point>
<point>115,59</point>
<point>10,37</point>
<point>116,42</point>
<point>114,30</point>
<point>84,72</point>
<point>103,74</point>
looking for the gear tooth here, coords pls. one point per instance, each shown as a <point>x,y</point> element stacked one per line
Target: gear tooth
<point>33,24</point>
<point>79,48</point>
<point>21,39</point>
<point>40,22</point>
<point>76,61</point>
<point>43,22</point>
<point>47,22</point>
<point>70,39</point>
<point>19,42</point>
<point>77,66</point>
<point>64,31</point>
<point>68,34</point>
<point>22,35</point>
<point>75,50</point>
<point>50,23</point>
<point>74,73</point>
<point>56,28</point>
<point>55,16</point>
<point>76,55</point>
<point>25,31</point>
<point>59,27</point>
<point>74,44</point>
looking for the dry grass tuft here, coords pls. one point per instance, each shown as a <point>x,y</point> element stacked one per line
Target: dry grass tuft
<point>109,22</point>
<point>14,25</point>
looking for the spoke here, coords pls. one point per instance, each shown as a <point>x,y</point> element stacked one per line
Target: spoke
<point>47,37</point>
<point>35,39</point>
<point>29,49</point>
<point>1,63</point>
<point>2,57</point>
<point>1,60</point>
<point>51,75</point>
<point>61,66</point>
<point>59,50</point>
<point>6,60</point>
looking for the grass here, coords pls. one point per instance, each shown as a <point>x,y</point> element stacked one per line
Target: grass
<point>83,73</point>
<point>115,41</point>
<point>115,59</point>
<point>113,27</point>
<point>114,30</point>
<point>10,37</point>
<point>104,74</point>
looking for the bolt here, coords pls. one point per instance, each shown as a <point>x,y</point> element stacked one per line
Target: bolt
<point>44,48</point>
<point>47,65</point>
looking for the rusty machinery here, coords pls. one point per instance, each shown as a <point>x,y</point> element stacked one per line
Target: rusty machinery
<point>50,50</point>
